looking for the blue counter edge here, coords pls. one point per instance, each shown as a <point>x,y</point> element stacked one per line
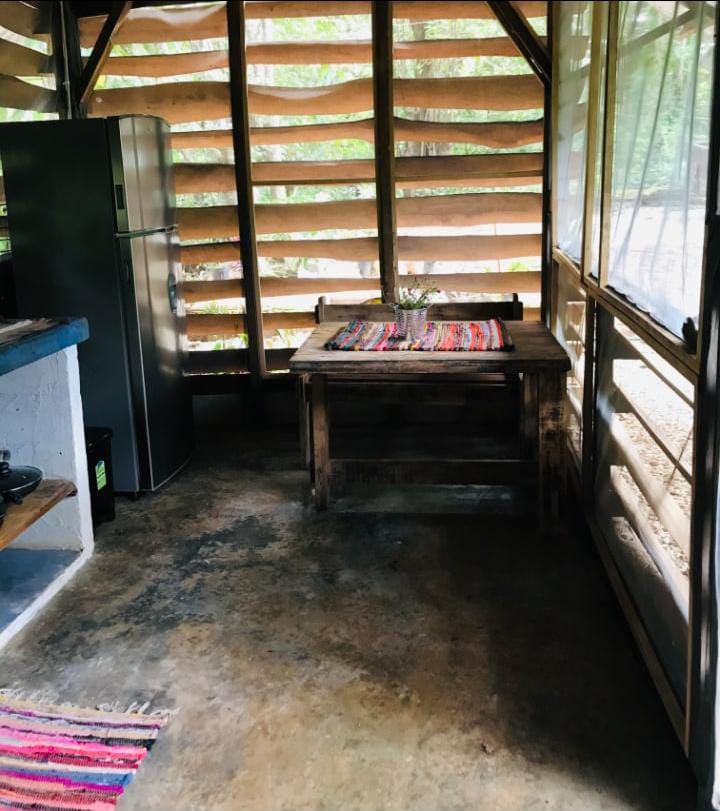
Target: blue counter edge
<point>28,348</point>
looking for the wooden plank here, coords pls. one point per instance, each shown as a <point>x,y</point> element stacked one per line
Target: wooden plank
<point>320,441</point>
<point>350,52</point>
<point>673,452</point>
<point>184,102</point>
<point>232,361</point>
<point>151,24</point>
<point>17,60</point>
<point>383,105</point>
<point>203,326</point>
<point>452,210</point>
<point>244,211</point>
<point>270,286</point>
<point>22,18</point>
<point>655,492</point>
<point>676,581</point>
<point>514,168</point>
<point>101,49</point>
<point>496,134</point>
<point>21,516</point>
<point>440,249</point>
<point>19,95</point>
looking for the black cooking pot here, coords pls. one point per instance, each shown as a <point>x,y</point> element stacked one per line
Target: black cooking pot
<point>16,482</point>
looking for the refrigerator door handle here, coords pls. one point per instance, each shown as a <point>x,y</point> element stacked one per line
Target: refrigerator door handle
<point>172,287</point>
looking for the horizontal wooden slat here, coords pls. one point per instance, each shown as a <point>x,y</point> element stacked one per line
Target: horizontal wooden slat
<point>183,102</point>
<point>150,24</point>
<point>519,168</point>
<point>17,60</point>
<point>498,135</point>
<point>203,326</point>
<point>21,18</point>
<point>305,53</point>
<point>626,401</point>
<point>223,361</point>
<point>271,286</point>
<point>351,250</point>
<point>468,248</point>
<point>364,249</point>
<point>21,95</point>
<point>675,579</point>
<point>451,210</point>
<point>652,488</point>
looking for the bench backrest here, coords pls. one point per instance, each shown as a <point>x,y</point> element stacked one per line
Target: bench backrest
<point>460,311</point>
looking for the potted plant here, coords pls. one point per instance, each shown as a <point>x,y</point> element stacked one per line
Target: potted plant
<point>411,310</point>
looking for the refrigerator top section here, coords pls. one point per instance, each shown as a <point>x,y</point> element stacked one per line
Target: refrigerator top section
<point>144,193</point>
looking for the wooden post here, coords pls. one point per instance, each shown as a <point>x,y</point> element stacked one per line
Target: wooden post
<point>243,182</point>
<point>547,192</point>
<point>67,60</point>
<point>529,411</point>
<point>701,740</point>
<point>609,141</point>
<point>382,20</point>
<point>588,407</point>
<point>101,50</point>
<point>551,448</point>
<point>321,441</point>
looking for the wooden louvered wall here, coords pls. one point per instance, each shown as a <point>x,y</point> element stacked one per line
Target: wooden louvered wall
<point>186,81</point>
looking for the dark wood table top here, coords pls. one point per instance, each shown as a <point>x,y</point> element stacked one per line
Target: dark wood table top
<point>536,350</point>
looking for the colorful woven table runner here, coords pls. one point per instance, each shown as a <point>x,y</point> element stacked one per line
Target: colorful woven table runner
<point>439,336</point>
<point>54,758</point>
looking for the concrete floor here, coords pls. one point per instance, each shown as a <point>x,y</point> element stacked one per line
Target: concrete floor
<point>356,659</point>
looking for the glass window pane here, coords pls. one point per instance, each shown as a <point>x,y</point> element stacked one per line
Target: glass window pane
<point>662,124</point>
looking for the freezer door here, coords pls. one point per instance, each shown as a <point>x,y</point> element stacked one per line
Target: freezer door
<point>148,196</point>
<point>163,408</point>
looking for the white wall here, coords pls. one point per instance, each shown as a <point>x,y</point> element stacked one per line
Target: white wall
<point>41,423</point>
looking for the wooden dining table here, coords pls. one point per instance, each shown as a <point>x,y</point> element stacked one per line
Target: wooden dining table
<point>537,359</point>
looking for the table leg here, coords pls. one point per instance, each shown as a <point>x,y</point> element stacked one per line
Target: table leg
<point>321,441</point>
<point>529,415</point>
<point>551,448</point>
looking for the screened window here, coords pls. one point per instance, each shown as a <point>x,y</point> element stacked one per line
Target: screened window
<point>573,42</point>
<point>662,123</point>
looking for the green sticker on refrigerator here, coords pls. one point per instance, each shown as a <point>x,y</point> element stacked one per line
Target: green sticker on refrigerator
<point>100,475</point>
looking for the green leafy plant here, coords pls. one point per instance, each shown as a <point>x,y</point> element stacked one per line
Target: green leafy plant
<point>416,298</point>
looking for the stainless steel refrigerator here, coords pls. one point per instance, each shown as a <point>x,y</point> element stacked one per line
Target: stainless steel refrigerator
<point>91,211</point>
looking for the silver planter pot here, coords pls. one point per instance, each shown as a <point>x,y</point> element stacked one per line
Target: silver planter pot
<point>411,323</point>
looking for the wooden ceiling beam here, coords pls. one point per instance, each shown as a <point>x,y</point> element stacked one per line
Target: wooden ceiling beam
<point>101,49</point>
<point>526,40</point>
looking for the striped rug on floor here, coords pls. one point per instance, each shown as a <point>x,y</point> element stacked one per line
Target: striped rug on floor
<point>438,336</point>
<point>68,759</point>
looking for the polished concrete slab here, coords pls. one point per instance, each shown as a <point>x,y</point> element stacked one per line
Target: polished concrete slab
<point>369,658</point>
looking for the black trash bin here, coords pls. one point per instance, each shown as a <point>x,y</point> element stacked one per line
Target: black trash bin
<point>102,494</point>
